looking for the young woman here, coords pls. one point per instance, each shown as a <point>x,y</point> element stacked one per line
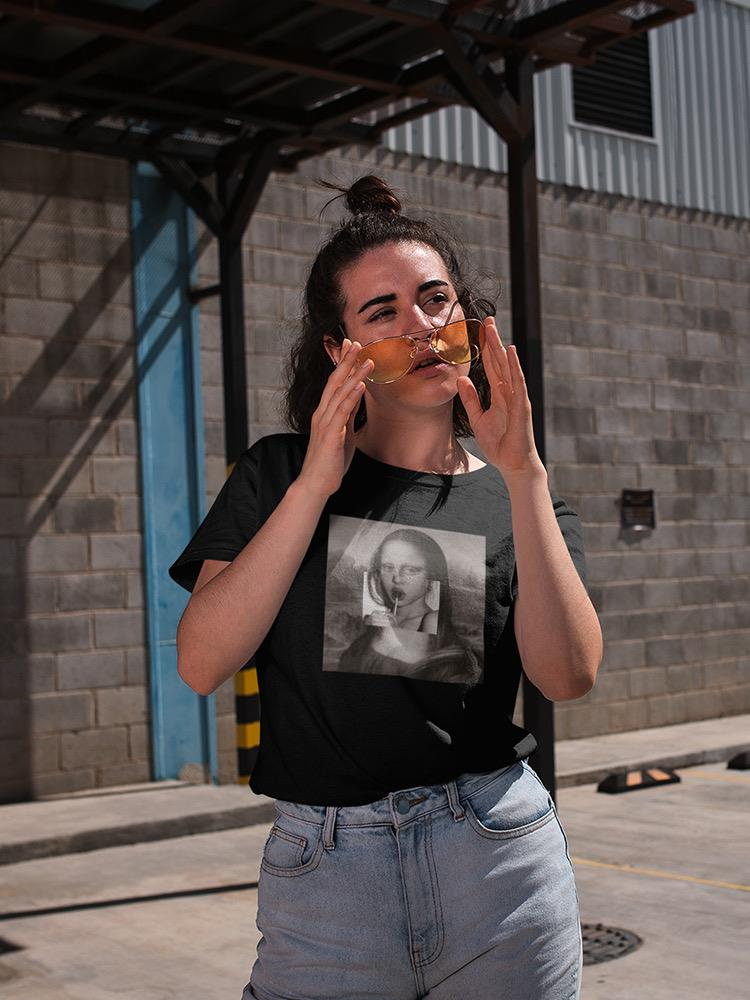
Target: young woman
<point>415,851</point>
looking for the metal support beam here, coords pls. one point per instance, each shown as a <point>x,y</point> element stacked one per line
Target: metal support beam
<point>481,88</point>
<point>527,336</point>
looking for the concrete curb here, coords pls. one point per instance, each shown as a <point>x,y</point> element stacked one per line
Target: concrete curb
<point>570,779</point>
<point>229,818</point>
<point>137,833</point>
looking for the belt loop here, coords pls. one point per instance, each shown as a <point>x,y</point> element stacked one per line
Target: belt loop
<point>456,808</point>
<point>328,827</point>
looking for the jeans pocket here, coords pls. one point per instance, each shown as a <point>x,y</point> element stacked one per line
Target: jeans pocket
<point>514,804</point>
<point>292,848</point>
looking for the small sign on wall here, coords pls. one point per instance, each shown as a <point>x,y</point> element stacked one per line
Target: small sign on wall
<point>637,510</point>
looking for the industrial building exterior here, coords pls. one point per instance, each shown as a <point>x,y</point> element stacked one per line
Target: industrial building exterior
<point>645,257</point>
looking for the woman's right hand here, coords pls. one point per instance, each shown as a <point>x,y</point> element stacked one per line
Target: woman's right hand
<point>331,446</point>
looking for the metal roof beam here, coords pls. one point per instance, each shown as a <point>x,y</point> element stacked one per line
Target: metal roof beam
<point>563,17</point>
<point>483,89</point>
<point>177,173</point>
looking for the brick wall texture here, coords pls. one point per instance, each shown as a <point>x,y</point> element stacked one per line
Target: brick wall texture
<point>647,364</point>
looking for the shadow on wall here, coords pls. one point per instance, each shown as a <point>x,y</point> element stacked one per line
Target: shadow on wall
<point>46,512</point>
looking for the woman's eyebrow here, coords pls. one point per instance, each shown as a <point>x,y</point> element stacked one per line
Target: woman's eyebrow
<point>391,297</point>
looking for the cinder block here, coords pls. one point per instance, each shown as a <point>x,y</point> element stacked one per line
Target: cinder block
<point>139,741</point>
<point>22,437</point>
<point>572,420</point>
<point>119,628</point>
<point>93,747</point>
<point>625,224</point>
<point>633,394</point>
<point>667,710</point>
<point>263,231</point>
<point>90,590</point>
<point>713,265</point>
<point>63,782</point>
<point>121,551</point>
<point>610,420</point>
<point>134,772</point>
<point>120,706</point>
<point>697,292</point>
<point>79,515</point>
<point>263,301</point>
<point>60,713</point>
<point>267,406</point>
<point>279,268</point>
<point>97,286</point>
<point>660,230</point>
<point>646,682</point>
<point>93,437</point>
<point>53,634</point>
<point>115,475</point>
<point>591,449</point>
<point>131,513</point>
<point>625,715</point>
<point>90,670</point>
<point>134,587</point>
<point>45,754</point>
<point>135,666</point>
<point>282,200</point>
<point>41,475</point>
<point>39,672</point>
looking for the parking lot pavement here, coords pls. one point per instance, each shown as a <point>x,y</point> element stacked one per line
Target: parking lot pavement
<point>176,918</point>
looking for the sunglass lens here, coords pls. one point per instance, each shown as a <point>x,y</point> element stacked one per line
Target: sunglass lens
<point>459,342</point>
<point>392,359</point>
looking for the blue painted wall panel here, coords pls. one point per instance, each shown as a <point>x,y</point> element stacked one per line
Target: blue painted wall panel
<point>170,422</point>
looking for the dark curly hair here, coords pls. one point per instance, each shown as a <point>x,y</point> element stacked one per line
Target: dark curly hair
<point>376,220</point>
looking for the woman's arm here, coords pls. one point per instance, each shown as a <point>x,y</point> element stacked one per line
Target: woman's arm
<point>228,618</point>
<point>556,625</point>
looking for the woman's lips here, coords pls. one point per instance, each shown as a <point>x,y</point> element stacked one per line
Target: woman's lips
<point>434,367</point>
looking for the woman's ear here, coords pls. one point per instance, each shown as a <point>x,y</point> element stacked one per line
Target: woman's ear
<point>332,349</point>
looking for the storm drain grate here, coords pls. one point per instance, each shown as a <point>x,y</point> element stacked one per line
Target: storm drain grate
<point>601,944</point>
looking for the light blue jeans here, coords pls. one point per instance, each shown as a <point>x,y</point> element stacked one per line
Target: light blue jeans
<point>462,891</point>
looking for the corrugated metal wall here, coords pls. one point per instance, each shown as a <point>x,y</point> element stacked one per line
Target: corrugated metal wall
<point>699,157</point>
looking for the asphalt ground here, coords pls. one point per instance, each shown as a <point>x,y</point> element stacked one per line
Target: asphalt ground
<point>176,918</point>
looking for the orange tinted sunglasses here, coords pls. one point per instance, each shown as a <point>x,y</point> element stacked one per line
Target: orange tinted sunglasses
<point>457,343</point>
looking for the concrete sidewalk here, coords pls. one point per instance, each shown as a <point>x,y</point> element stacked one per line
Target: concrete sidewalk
<point>137,813</point>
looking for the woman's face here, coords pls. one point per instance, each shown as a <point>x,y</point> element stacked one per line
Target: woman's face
<point>403,573</point>
<point>397,289</point>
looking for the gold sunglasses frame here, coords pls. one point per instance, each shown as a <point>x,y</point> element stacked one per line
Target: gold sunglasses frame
<point>474,347</point>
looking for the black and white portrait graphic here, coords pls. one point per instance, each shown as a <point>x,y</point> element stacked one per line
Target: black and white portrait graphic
<point>404,601</point>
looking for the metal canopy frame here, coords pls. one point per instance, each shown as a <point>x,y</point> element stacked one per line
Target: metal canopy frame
<point>218,93</point>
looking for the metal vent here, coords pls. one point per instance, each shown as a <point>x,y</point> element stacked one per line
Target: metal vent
<point>615,91</point>
<point>601,944</point>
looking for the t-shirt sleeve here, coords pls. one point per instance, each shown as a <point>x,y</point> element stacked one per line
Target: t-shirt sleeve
<point>227,527</point>
<point>572,531</point>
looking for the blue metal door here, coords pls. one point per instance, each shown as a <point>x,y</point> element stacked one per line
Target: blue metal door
<point>170,423</point>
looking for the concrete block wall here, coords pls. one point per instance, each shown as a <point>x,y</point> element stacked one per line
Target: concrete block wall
<point>647,326</point>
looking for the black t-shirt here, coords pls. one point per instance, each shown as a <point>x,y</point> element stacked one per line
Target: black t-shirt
<point>392,661</point>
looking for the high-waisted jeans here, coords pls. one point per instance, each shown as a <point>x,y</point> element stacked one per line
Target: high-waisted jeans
<point>461,891</point>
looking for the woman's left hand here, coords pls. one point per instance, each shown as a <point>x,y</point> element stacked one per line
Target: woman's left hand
<point>504,431</point>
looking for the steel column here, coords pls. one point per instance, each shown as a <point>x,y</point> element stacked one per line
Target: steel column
<point>526,313</point>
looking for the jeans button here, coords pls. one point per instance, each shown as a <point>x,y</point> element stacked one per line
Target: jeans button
<point>402,804</point>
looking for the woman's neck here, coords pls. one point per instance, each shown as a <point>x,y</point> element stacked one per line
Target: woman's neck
<point>424,446</point>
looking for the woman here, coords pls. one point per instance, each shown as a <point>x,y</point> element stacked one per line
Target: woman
<point>406,568</point>
<point>415,851</point>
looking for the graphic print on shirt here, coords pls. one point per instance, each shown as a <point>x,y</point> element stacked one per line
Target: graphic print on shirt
<point>404,601</point>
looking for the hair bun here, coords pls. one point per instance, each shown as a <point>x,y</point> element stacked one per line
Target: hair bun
<point>371,194</point>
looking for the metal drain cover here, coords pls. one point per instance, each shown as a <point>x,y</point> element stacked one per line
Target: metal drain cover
<point>601,944</point>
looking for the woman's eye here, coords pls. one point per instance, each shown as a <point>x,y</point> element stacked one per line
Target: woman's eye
<point>380,314</point>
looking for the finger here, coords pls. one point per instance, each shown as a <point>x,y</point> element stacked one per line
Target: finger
<point>338,379</point>
<point>346,398</point>
<point>497,356</point>
<point>468,394</point>
<point>503,358</point>
<point>519,382</point>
